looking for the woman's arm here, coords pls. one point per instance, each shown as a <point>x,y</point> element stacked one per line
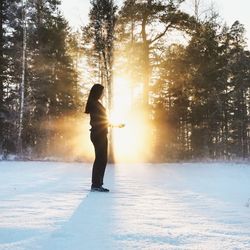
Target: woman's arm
<point>121,125</point>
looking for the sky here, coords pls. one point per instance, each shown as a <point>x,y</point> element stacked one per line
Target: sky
<point>76,12</point>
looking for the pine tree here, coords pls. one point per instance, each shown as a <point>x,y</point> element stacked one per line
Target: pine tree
<point>204,88</point>
<point>50,78</point>
<point>10,16</point>
<point>172,105</point>
<point>239,68</point>
<point>137,18</point>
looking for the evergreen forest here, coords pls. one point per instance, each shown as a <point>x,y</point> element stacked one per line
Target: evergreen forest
<point>187,72</point>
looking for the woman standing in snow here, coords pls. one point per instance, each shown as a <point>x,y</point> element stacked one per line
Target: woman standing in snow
<point>98,135</point>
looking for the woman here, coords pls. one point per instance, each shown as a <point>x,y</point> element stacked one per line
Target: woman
<point>99,130</point>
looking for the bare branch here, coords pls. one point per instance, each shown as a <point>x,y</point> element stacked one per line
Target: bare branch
<point>162,34</point>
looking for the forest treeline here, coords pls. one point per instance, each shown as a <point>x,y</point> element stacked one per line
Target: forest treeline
<point>191,74</point>
<point>38,81</point>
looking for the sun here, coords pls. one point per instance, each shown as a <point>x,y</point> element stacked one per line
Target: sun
<point>131,142</point>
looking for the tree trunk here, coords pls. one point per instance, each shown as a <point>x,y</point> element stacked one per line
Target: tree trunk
<point>1,54</point>
<point>244,125</point>
<point>1,71</point>
<point>110,106</point>
<point>146,75</point>
<point>108,65</point>
<point>146,62</point>
<point>20,146</point>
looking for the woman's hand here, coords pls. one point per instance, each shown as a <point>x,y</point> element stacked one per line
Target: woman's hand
<point>121,125</point>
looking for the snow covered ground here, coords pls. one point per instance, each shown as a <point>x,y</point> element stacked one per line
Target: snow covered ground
<point>48,206</point>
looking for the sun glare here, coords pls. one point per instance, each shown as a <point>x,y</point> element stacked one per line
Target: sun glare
<point>130,142</point>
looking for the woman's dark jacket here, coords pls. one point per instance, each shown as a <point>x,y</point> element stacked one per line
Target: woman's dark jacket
<point>98,118</point>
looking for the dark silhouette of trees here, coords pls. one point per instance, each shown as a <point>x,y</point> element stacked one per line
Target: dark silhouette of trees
<point>204,92</point>
<point>38,87</point>
<point>189,75</point>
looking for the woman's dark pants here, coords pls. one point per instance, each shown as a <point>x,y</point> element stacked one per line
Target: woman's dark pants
<point>100,143</point>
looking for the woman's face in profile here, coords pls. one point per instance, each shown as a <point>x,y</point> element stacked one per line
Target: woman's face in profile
<point>101,95</point>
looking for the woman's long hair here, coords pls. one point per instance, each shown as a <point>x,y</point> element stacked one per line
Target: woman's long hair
<point>94,95</point>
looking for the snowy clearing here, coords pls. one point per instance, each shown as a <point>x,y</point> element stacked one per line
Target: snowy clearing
<point>48,206</point>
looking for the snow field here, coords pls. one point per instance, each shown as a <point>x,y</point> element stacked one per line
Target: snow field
<point>48,206</point>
